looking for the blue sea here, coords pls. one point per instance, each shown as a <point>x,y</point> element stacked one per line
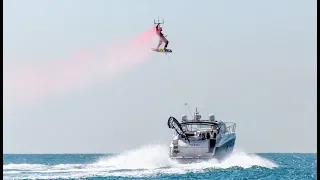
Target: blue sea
<point>152,162</point>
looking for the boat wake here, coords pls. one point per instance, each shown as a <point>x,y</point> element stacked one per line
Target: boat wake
<point>147,161</point>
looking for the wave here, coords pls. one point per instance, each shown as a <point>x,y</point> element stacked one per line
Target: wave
<point>146,161</point>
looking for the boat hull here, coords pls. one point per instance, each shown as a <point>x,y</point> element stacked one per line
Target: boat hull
<point>225,150</point>
<point>189,160</point>
<point>220,153</point>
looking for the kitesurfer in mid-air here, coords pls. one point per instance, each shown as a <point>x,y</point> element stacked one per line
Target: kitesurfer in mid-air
<point>162,37</point>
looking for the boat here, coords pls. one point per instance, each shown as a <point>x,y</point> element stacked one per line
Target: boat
<point>198,140</point>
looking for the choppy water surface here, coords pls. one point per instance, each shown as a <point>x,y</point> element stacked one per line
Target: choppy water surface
<point>152,162</point>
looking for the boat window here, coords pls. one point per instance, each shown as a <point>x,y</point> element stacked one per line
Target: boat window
<point>222,129</point>
<point>197,127</point>
<point>193,127</point>
<point>204,127</point>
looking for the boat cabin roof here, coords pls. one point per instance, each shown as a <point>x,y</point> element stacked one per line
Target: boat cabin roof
<point>212,123</point>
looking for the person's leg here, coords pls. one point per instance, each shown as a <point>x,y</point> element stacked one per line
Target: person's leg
<point>166,42</point>
<point>166,45</point>
<point>159,44</point>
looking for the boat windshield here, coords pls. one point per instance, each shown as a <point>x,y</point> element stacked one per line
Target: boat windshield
<point>196,127</point>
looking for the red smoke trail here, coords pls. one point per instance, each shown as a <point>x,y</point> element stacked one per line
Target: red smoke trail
<point>131,54</point>
<point>36,82</point>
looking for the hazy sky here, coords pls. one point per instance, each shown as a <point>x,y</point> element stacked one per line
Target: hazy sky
<point>251,62</point>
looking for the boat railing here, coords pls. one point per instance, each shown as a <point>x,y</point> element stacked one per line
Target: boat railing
<point>230,127</point>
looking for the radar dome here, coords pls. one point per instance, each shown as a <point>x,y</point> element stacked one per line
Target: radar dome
<point>184,118</point>
<point>212,117</point>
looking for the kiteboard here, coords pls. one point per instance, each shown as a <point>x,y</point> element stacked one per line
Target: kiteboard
<point>162,50</point>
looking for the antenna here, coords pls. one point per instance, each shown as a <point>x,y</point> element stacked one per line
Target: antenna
<point>197,115</point>
<point>186,105</point>
<point>207,110</point>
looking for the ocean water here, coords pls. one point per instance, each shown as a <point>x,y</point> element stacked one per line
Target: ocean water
<point>152,162</point>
